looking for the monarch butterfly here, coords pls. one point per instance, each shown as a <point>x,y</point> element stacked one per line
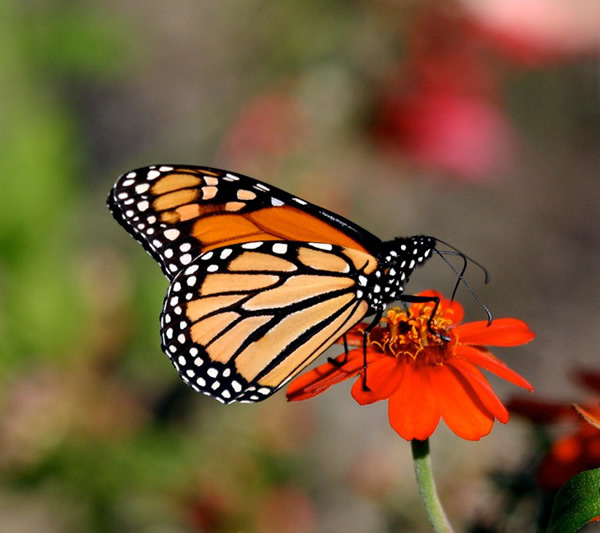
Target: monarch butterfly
<point>261,282</point>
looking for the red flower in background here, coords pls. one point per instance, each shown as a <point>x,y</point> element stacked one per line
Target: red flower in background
<point>574,452</point>
<point>535,32</point>
<point>464,135</point>
<point>423,377</point>
<point>441,109</point>
<point>267,130</point>
<point>590,415</point>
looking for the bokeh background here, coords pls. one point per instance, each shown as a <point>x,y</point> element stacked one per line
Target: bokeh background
<point>477,122</point>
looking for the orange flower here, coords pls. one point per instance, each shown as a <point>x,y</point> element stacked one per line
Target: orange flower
<point>574,452</point>
<point>422,376</point>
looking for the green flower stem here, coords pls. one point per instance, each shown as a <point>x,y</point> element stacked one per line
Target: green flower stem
<point>429,497</point>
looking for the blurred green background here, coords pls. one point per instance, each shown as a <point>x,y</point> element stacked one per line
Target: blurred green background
<point>407,117</point>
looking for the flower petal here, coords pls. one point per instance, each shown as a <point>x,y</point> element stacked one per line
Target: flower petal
<point>481,357</point>
<point>591,417</point>
<point>501,332</point>
<point>324,376</point>
<point>413,409</point>
<point>461,408</point>
<point>384,376</point>
<point>482,388</point>
<point>454,312</point>
<point>362,395</point>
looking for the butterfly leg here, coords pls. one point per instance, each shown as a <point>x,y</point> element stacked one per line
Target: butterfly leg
<point>426,299</point>
<point>368,329</point>
<point>334,361</point>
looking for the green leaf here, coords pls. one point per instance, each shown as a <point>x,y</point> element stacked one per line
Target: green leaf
<point>576,503</point>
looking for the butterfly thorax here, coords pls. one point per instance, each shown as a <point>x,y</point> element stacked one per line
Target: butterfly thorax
<point>397,260</point>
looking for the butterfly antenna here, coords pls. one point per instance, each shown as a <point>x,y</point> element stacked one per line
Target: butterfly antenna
<point>465,257</point>
<point>461,279</point>
<point>459,276</point>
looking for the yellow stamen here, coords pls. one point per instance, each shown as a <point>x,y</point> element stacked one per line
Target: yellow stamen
<point>402,333</point>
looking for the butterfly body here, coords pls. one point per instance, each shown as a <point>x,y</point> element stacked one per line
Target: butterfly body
<point>261,282</point>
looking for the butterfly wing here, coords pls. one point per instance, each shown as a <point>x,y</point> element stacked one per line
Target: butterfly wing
<point>241,320</point>
<point>180,212</point>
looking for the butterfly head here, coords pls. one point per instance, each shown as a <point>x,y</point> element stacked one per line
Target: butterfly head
<point>406,253</point>
<point>399,258</point>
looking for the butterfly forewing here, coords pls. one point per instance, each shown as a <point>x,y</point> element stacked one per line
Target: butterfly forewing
<point>180,212</point>
<point>241,320</point>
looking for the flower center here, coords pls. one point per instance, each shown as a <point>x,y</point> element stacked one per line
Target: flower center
<point>405,334</point>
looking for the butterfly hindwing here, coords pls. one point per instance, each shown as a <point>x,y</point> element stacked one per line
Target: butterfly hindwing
<point>180,212</point>
<point>241,320</point>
